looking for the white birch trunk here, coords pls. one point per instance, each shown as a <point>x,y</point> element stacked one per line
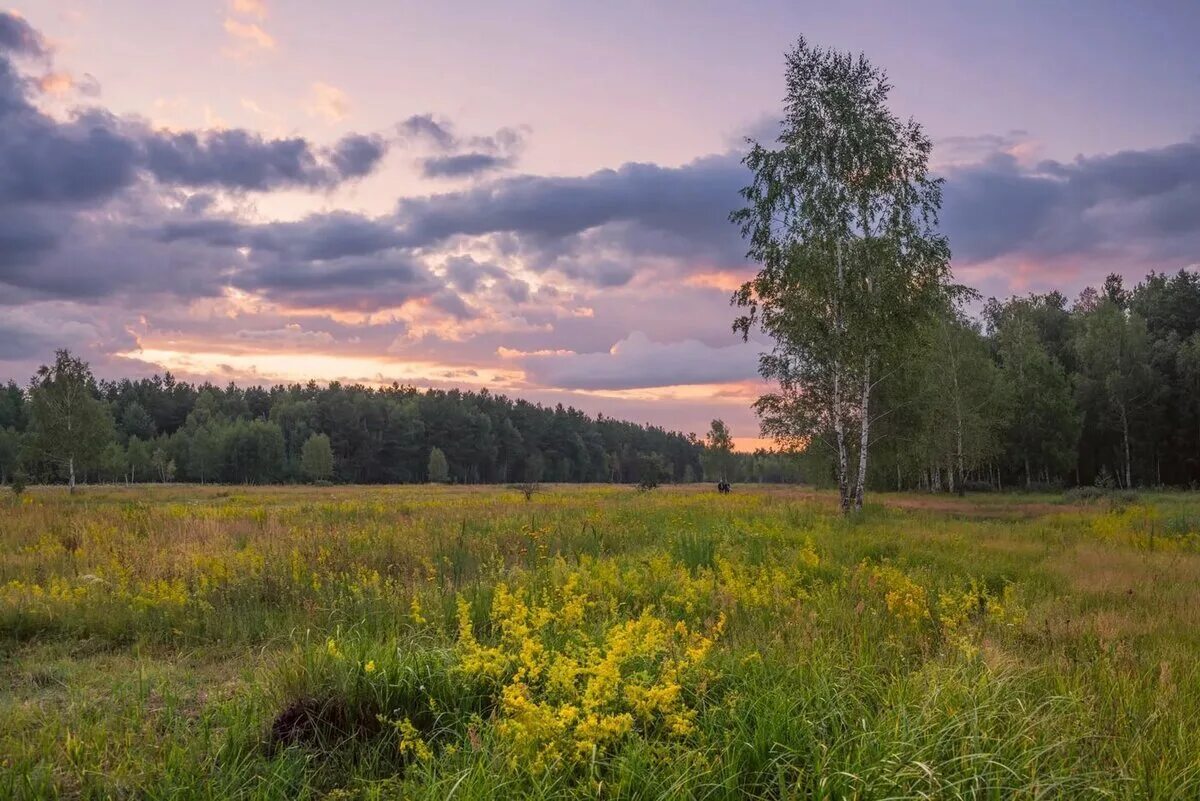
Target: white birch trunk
<point>864,437</point>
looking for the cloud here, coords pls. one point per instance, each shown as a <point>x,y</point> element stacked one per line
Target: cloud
<point>361,285</point>
<point>292,335</point>
<point>249,36</point>
<point>463,164</point>
<point>329,102</point>
<point>318,237</point>
<point>42,328</point>
<point>249,8</point>
<point>18,36</point>
<point>1141,204</point>
<point>637,362</point>
<point>423,126</point>
<point>595,227</point>
<point>356,155</point>
<point>461,157</point>
<point>239,159</point>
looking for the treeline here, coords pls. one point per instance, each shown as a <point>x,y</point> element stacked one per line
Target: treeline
<point>161,429</point>
<point>1044,393</point>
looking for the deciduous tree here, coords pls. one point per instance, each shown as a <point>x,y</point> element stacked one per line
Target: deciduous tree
<point>841,218</point>
<point>71,425</point>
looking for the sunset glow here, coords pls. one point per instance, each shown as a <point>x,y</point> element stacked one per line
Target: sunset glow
<point>293,191</point>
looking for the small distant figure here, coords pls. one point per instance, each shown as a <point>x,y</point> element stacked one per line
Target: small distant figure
<point>724,487</point>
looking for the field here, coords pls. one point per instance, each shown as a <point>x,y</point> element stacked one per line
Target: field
<point>427,642</point>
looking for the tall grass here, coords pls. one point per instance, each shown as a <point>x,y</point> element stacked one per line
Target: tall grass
<point>185,642</point>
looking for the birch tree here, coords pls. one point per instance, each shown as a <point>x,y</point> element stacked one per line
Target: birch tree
<point>71,425</point>
<point>1114,362</point>
<point>841,218</point>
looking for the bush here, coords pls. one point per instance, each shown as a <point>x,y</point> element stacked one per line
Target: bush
<point>1115,498</point>
<point>1085,494</point>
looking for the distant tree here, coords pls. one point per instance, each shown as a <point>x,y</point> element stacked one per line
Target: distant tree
<point>1043,428</point>
<point>534,467</point>
<point>438,469</point>
<point>137,422</point>
<point>71,425</point>
<point>13,408</point>
<point>138,458</point>
<point>10,453</point>
<point>163,465</point>
<point>651,471</point>
<point>18,482</point>
<point>114,465</point>
<point>205,456</point>
<point>718,452</point>
<point>841,220</point>
<point>316,458</point>
<point>968,402</point>
<point>1114,359</point>
<point>1188,365</point>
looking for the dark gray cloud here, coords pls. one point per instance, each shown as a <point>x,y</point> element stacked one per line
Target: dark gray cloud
<point>78,196</point>
<point>242,160</point>
<point>357,155</point>
<point>318,237</point>
<point>94,155</point>
<point>691,202</point>
<point>1142,203</point>
<point>18,36</point>
<point>365,285</point>
<point>461,157</point>
<point>462,164</point>
<point>424,126</point>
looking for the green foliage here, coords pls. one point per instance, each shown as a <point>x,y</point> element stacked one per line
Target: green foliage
<point>316,458</point>
<point>1044,427</point>
<point>137,422</point>
<point>70,424</point>
<point>718,452</point>
<point>138,458</point>
<point>1115,380</point>
<point>438,469</point>
<point>10,453</point>
<point>114,463</point>
<point>841,219</point>
<point>279,643</point>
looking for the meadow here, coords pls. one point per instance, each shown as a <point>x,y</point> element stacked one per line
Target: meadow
<point>191,642</point>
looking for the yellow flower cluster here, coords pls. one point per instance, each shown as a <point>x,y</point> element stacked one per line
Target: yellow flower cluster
<point>961,614</point>
<point>906,600</point>
<point>569,691</point>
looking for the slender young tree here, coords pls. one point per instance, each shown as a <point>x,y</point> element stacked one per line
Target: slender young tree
<point>841,218</point>
<point>316,458</point>
<point>718,451</point>
<point>438,468</point>
<point>1114,361</point>
<point>71,425</point>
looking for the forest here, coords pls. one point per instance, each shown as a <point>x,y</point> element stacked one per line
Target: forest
<point>160,429</point>
<point>1044,393</point>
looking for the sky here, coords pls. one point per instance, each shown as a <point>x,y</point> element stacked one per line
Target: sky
<point>532,197</point>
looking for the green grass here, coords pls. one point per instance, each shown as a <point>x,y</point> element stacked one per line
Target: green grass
<point>198,642</point>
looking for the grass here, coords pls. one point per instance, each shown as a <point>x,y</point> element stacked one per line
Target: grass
<point>432,642</point>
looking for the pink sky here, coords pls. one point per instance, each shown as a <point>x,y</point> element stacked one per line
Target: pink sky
<point>530,197</point>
